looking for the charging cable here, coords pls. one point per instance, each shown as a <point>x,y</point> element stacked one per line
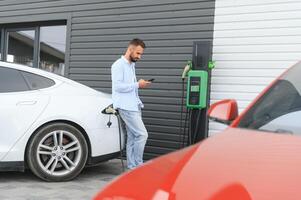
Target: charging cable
<point>111,111</point>
<point>182,132</point>
<point>120,145</point>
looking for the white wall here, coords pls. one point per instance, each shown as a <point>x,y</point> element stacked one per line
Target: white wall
<point>254,42</point>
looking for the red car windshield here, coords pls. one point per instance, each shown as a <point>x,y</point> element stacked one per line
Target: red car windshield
<point>279,109</point>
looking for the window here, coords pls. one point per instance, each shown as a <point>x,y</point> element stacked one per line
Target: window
<point>279,109</point>
<point>37,82</point>
<point>12,81</point>
<point>52,48</point>
<point>41,45</point>
<point>20,47</point>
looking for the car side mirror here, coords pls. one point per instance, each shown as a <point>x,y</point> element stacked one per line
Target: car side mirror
<point>224,111</point>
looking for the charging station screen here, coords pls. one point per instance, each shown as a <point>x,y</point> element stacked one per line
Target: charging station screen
<point>195,88</point>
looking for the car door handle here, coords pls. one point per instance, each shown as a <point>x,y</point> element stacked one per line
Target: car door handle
<point>24,103</point>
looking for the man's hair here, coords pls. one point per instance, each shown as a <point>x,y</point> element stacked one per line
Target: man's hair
<point>137,42</point>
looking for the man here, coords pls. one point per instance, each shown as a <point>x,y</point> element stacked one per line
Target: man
<point>126,100</point>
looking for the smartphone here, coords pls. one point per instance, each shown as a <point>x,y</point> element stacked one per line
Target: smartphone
<point>151,80</point>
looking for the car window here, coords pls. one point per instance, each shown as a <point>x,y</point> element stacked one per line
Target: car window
<point>279,108</point>
<point>284,124</point>
<point>37,82</point>
<point>11,80</point>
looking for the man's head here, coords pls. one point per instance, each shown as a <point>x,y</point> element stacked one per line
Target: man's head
<point>135,50</point>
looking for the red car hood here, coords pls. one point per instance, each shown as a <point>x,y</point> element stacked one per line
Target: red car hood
<point>236,164</point>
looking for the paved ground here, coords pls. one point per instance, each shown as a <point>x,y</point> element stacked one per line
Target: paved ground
<point>25,186</point>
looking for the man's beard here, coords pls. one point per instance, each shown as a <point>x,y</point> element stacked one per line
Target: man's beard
<point>133,59</point>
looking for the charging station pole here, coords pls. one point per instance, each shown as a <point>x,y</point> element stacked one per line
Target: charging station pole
<point>201,57</point>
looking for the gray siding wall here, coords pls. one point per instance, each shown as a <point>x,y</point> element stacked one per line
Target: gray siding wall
<point>99,31</point>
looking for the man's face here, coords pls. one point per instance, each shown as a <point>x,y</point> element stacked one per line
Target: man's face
<point>136,53</point>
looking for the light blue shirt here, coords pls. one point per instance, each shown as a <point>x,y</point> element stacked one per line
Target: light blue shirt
<point>125,86</point>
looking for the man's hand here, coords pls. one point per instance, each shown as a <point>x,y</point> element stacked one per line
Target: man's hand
<point>143,83</point>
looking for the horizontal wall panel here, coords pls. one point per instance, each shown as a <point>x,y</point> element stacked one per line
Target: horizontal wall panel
<point>258,56</point>
<point>140,71</point>
<point>163,137</point>
<point>233,95</point>
<point>157,150</point>
<point>238,88</point>
<point>257,7</point>
<point>133,9</point>
<point>286,31</point>
<point>166,122</point>
<point>247,72</point>
<point>161,114</point>
<point>150,57</point>
<point>142,64</point>
<point>143,30</point>
<point>149,50</point>
<point>158,79</point>
<point>284,48</point>
<point>230,3</point>
<point>160,143</point>
<point>154,36</point>
<point>294,39</point>
<point>163,100</point>
<point>92,28</point>
<point>180,14</point>
<point>231,80</point>
<point>163,129</point>
<point>155,86</point>
<point>254,64</point>
<point>122,44</point>
<point>258,17</point>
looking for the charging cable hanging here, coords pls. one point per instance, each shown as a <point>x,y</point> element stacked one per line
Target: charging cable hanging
<point>182,134</point>
<point>111,111</point>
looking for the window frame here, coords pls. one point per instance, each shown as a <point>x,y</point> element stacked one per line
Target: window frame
<point>2,40</point>
<point>5,28</point>
<point>35,43</point>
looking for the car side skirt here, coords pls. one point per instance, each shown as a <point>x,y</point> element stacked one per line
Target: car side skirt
<point>12,166</point>
<point>19,165</point>
<point>102,158</point>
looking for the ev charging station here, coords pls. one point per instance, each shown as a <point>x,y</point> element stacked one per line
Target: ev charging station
<point>197,93</point>
<point>197,73</point>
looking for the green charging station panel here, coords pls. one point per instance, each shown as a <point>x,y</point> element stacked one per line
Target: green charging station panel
<point>196,97</point>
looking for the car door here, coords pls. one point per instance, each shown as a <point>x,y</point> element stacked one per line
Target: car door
<point>20,106</point>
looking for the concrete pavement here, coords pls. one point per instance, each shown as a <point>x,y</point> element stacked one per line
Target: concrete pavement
<point>26,186</point>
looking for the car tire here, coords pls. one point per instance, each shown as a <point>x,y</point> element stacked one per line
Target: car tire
<point>57,152</point>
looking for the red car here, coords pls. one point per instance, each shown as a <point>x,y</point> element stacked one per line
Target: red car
<point>257,157</point>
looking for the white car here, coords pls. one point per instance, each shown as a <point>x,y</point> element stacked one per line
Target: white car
<point>52,125</point>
